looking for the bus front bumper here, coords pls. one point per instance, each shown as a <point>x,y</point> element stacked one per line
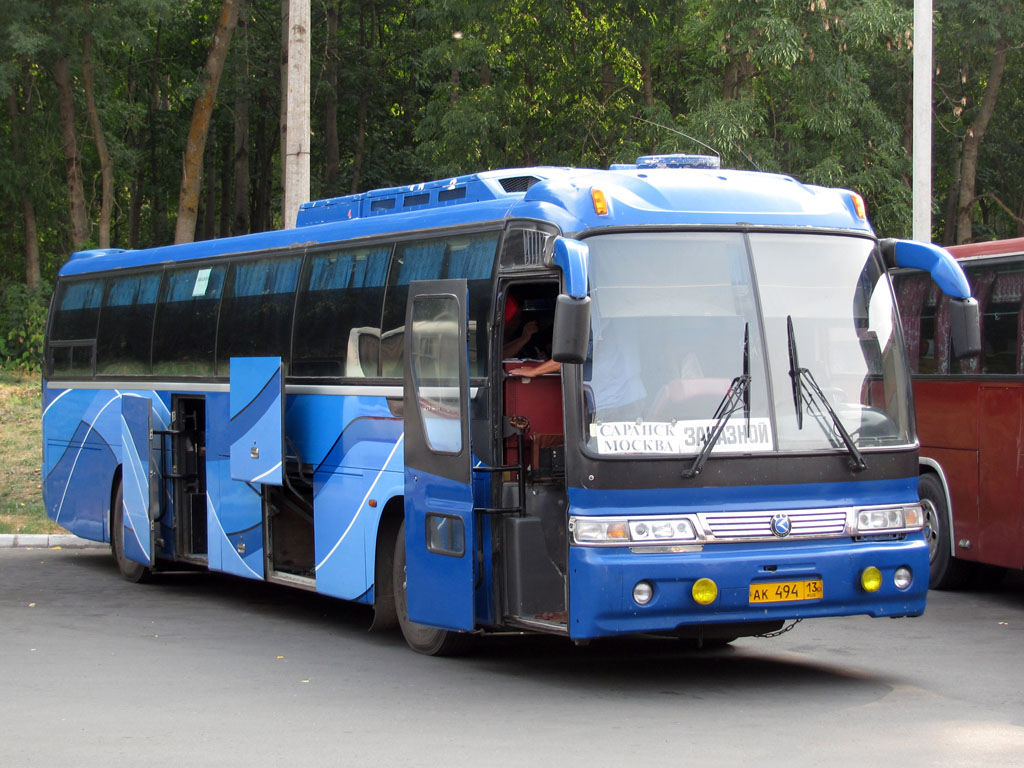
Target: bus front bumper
<point>748,578</point>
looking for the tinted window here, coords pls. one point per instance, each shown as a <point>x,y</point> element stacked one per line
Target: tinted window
<point>78,308</point>
<point>186,321</point>
<point>73,328</point>
<point>918,299</point>
<point>468,256</point>
<point>337,323</point>
<point>1000,323</point>
<point>126,325</point>
<point>256,313</point>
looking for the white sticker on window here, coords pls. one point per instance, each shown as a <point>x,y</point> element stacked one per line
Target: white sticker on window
<point>202,280</point>
<point>681,437</point>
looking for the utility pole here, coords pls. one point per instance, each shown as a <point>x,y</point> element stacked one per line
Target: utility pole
<point>922,154</point>
<point>297,125</point>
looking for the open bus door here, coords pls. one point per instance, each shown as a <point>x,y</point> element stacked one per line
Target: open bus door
<point>140,478</point>
<point>440,530</point>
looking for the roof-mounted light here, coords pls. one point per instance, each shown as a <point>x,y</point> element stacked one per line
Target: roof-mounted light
<point>679,161</point>
<point>600,203</point>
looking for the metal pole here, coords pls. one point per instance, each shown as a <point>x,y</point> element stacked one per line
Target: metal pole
<point>297,125</point>
<point>922,156</point>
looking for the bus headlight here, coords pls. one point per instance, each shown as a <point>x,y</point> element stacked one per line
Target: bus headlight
<point>615,531</point>
<point>599,531</point>
<point>889,519</point>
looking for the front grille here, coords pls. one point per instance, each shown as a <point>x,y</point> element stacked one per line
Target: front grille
<point>757,525</point>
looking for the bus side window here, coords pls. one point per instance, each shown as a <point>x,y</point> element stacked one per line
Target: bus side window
<point>1000,325</point>
<point>256,310</point>
<point>73,329</point>
<point>470,256</point>
<point>916,298</point>
<point>337,320</point>
<point>126,325</point>
<point>186,321</point>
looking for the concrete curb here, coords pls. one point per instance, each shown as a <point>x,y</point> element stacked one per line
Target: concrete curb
<point>47,541</point>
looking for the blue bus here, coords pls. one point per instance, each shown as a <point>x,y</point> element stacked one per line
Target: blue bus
<point>663,398</point>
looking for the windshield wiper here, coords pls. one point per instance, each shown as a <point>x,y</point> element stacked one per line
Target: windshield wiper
<point>738,394</point>
<point>801,376</point>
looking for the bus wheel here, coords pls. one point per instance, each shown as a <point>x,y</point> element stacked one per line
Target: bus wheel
<point>945,571</point>
<point>421,638</point>
<point>131,570</point>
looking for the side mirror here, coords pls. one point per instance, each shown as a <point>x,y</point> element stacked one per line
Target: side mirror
<point>573,258</point>
<point>964,327</point>
<point>571,333</point>
<point>933,259</point>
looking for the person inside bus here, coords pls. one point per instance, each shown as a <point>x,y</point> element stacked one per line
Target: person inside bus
<point>527,331</point>
<point>612,377</point>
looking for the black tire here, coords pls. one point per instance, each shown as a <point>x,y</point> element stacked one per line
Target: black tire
<point>130,570</point>
<point>945,571</point>
<point>429,641</point>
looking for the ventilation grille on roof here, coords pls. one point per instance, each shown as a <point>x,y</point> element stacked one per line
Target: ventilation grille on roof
<point>518,183</point>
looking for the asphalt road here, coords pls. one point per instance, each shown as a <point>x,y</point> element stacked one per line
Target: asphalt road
<point>204,669</point>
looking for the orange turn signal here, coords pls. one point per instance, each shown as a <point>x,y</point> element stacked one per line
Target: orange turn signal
<point>858,206</point>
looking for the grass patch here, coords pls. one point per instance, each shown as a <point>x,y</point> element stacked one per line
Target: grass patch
<point>21,456</point>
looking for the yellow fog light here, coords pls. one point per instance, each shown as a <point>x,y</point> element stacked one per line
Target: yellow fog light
<point>704,591</point>
<point>871,579</point>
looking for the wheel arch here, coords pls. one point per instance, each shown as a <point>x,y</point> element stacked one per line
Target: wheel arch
<point>391,518</point>
<point>932,467</point>
<point>115,481</point>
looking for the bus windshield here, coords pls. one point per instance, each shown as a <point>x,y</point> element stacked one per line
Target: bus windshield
<point>678,317</point>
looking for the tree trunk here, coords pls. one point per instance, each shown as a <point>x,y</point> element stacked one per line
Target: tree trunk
<point>357,157</point>
<point>209,225</point>
<point>332,153</point>
<point>367,40</point>
<point>240,155</point>
<point>972,143</point>
<point>227,211</point>
<point>28,212</point>
<point>106,163</point>
<point>192,162</point>
<point>647,77</point>
<point>72,156</point>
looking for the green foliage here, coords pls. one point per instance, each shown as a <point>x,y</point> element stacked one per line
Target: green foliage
<point>22,325</point>
<point>819,89</point>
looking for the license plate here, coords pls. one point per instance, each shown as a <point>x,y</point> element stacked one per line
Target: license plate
<point>786,591</point>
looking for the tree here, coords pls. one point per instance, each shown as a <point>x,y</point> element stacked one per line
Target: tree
<point>192,162</point>
<point>106,162</point>
<point>72,153</point>
<point>978,44</point>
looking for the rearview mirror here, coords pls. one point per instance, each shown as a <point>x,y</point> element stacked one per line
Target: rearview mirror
<point>964,327</point>
<point>572,329</point>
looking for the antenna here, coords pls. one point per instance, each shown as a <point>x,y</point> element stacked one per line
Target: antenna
<point>673,130</point>
<point>698,141</point>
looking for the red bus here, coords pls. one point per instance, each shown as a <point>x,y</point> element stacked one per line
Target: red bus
<point>970,414</point>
